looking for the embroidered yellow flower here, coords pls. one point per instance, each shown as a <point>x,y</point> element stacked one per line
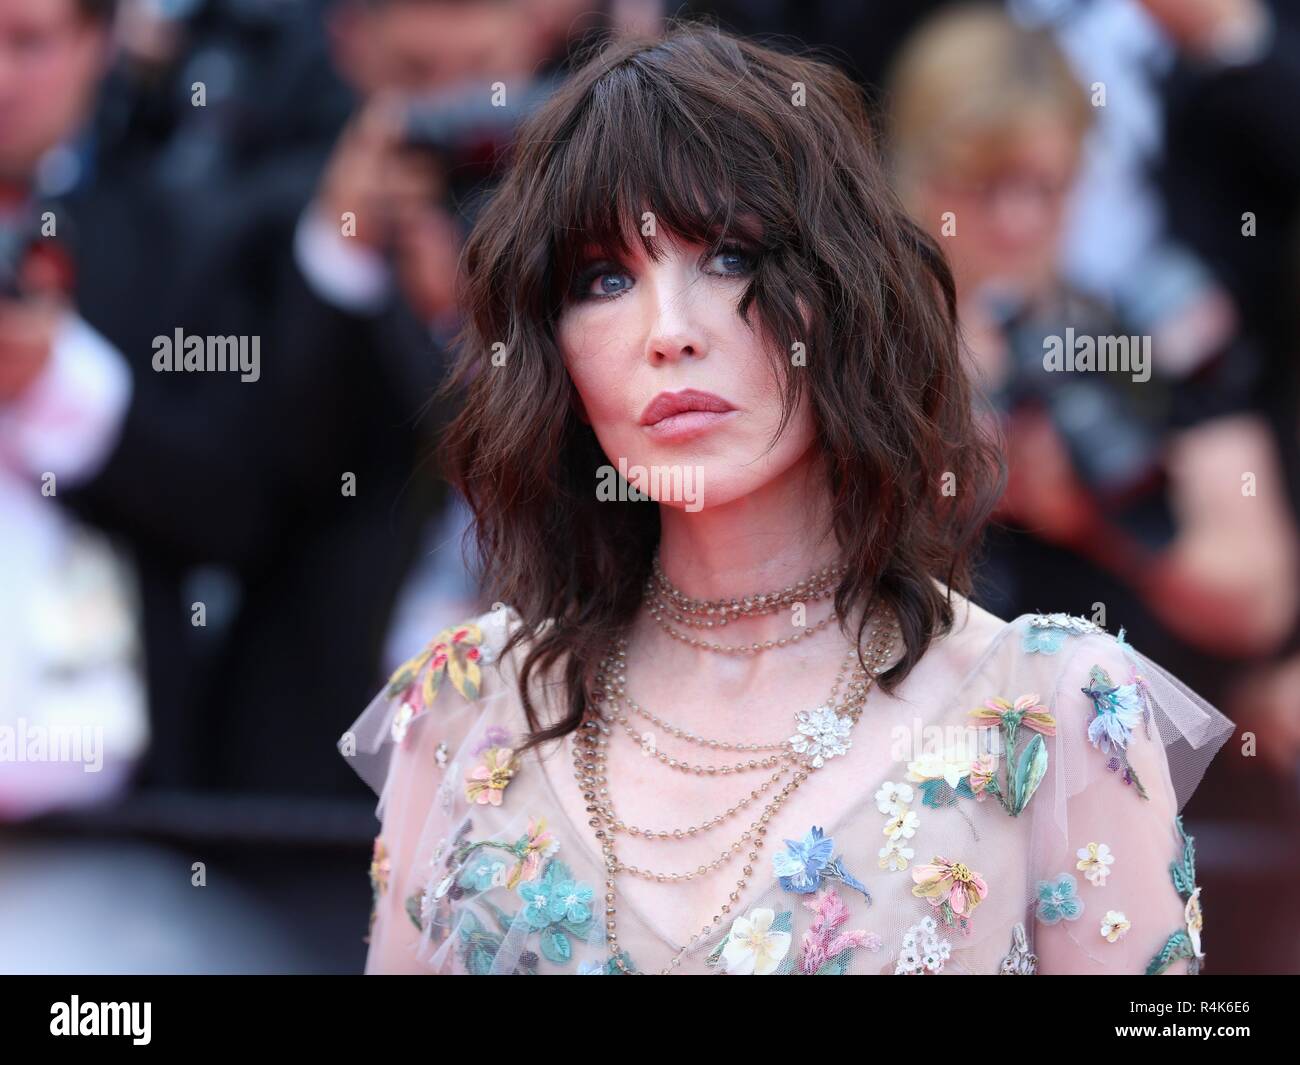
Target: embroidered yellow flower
<point>379,867</point>
<point>487,781</point>
<point>1195,920</point>
<point>1114,925</point>
<point>455,651</point>
<point>1094,862</point>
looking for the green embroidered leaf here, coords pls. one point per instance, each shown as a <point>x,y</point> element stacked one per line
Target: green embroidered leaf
<point>478,960</point>
<point>556,871</point>
<point>612,968</point>
<point>937,793</point>
<point>413,909</point>
<point>1030,770</point>
<point>578,929</point>
<point>783,922</point>
<point>401,681</point>
<point>716,953</point>
<point>1178,945</point>
<point>481,946</point>
<point>555,946</point>
<point>1184,872</point>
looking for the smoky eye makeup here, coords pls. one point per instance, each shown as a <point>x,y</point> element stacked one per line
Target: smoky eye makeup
<point>600,276</point>
<point>589,274</point>
<point>732,257</point>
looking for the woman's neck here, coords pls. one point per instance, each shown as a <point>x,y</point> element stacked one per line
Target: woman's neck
<point>762,542</point>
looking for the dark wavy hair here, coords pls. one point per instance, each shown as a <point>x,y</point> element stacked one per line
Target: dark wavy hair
<point>712,133</point>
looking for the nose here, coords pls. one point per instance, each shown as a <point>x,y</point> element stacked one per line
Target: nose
<point>674,333</point>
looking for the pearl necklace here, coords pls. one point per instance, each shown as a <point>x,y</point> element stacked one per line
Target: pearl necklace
<point>821,735</point>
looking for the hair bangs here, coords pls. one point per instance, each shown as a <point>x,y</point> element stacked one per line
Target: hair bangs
<point>639,165</point>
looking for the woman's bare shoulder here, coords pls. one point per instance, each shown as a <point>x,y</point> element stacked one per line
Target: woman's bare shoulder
<point>952,655</point>
<point>973,627</point>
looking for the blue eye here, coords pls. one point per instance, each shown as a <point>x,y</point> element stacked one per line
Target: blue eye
<point>609,284</point>
<point>601,281</point>
<point>732,262</point>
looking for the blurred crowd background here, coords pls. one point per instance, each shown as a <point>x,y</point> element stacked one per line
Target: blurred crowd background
<point>212,576</point>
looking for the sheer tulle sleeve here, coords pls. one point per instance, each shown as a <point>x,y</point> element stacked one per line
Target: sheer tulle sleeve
<point>1113,882</point>
<point>401,745</point>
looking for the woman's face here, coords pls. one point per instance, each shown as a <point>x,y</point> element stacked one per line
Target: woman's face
<point>638,333</point>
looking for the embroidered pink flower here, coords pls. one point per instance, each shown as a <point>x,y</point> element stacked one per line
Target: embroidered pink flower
<point>822,943</point>
<point>538,845</point>
<point>983,770</point>
<point>1026,711</point>
<point>953,888</point>
<point>485,783</point>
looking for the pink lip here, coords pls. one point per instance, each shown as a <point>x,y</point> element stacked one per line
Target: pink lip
<point>689,400</point>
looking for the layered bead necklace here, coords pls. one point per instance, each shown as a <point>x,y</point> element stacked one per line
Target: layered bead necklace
<point>820,735</point>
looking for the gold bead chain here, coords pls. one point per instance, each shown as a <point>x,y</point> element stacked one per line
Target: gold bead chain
<point>665,602</point>
<point>591,764</point>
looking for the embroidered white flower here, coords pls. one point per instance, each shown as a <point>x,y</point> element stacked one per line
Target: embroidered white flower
<point>402,721</point>
<point>1080,626</point>
<point>923,950</point>
<point>822,734</point>
<point>1114,925</point>
<point>903,826</point>
<point>1094,862</point>
<point>950,766</point>
<point>894,856</point>
<point>892,798</point>
<point>753,949</point>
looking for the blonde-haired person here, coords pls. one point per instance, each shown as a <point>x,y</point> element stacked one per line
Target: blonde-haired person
<point>987,127</point>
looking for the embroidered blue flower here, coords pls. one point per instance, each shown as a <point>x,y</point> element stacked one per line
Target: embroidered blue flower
<point>537,903</point>
<point>1059,899</point>
<point>591,968</point>
<point>556,897</point>
<point>569,901</point>
<point>802,865</point>
<point>1045,641</point>
<point>799,866</point>
<point>556,906</point>
<point>1118,707</point>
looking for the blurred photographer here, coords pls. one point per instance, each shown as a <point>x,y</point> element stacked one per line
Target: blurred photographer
<point>1125,488</point>
<point>72,700</point>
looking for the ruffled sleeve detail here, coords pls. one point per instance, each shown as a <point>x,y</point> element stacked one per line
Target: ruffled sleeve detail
<point>402,745</point>
<point>1112,870</point>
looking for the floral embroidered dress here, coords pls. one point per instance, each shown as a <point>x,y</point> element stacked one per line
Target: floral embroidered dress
<point>1026,822</point>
